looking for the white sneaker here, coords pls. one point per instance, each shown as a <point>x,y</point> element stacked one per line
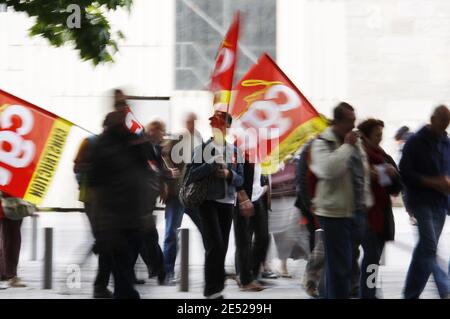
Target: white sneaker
<point>217,295</point>
<point>3,285</point>
<point>16,282</point>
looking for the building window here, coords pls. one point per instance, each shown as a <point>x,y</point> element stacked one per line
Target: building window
<point>198,37</point>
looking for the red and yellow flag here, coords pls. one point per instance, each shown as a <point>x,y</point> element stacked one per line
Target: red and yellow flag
<point>32,141</point>
<point>222,76</point>
<point>131,122</point>
<point>272,117</point>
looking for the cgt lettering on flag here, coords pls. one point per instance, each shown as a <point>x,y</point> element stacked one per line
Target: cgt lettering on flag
<point>48,163</point>
<point>272,117</point>
<point>31,144</point>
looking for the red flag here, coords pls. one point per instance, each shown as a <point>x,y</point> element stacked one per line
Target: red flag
<point>222,76</point>
<point>131,123</point>
<point>272,117</point>
<point>32,141</point>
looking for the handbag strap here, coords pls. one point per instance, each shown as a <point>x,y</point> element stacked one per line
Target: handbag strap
<point>189,165</point>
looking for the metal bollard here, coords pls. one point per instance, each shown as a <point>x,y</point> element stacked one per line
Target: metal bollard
<point>48,258</point>
<point>184,280</point>
<point>34,237</point>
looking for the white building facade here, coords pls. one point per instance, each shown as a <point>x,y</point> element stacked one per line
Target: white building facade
<point>388,58</point>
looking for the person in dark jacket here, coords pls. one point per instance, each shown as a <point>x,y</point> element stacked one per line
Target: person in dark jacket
<point>82,168</point>
<point>380,220</point>
<point>150,250</point>
<point>425,169</point>
<point>117,179</point>
<point>401,136</point>
<point>251,231</point>
<point>221,163</point>
<point>175,167</point>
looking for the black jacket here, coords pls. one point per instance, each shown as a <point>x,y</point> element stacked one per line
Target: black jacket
<point>425,155</point>
<point>119,180</point>
<point>249,175</point>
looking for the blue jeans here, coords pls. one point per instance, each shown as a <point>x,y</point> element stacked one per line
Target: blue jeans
<point>174,216</point>
<point>339,246</point>
<point>359,225</point>
<point>430,223</point>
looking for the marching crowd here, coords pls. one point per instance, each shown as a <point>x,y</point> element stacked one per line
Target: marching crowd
<point>342,192</point>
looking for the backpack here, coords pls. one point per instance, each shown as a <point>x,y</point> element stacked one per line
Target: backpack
<point>193,194</point>
<point>82,173</point>
<point>306,182</point>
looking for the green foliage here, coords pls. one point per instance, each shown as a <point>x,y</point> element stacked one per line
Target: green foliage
<point>93,39</point>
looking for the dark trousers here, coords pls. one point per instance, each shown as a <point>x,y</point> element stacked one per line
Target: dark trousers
<point>358,234</point>
<point>151,252</point>
<point>121,246</point>
<point>104,261</point>
<point>216,220</point>
<point>338,243</point>
<point>10,241</point>
<point>311,227</point>
<point>315,270</point>
<point>259,227</point>
<point>242,238</point>
<point>149,248</point>
<point>252,241</point>
<point>103,273</point>
<point>373,247</point>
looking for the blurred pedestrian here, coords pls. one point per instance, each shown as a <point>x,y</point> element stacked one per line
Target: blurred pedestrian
<point>401,136</point>
<point>119,168</point>
<point>10,243</point>
<point>221,163</point>
<point>289,235</point>
<point>150,250</point>
<point>425,169</point>
<point>177,154</point>
<point>83,170</point>
<point>385,181</point>
<point>342,197</point>
<point>251,227</point>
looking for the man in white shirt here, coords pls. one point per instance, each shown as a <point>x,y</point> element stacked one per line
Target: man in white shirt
<point>180,155</point>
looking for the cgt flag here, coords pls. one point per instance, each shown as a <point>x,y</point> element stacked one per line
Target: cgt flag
<point>32,142</point>
<point>272,117</point>
<point>222,76</point>
<point>131,122</point>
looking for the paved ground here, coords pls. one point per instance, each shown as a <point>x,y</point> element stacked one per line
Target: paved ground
<point>72,240</point>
